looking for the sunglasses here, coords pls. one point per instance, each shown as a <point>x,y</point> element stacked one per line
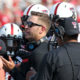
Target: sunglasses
<point>31,24</point>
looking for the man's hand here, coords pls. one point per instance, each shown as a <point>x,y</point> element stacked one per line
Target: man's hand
<point>8,65</point>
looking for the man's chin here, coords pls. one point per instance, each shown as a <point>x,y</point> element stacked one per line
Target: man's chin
<point>27,37</point>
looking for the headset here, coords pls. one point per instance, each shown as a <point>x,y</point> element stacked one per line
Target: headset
<point>57,26</point>
<point>30,46</point>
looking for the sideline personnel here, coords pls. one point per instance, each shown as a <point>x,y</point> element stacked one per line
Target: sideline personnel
<point>36,28</point>
<point>64,62</point>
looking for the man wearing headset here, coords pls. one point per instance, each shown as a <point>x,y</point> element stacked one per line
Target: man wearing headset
<point>60,64</point>
<point>64,62</point>
<point>36,28</point>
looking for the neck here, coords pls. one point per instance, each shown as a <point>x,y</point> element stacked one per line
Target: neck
<point>39,37</point>
<point>72,41</point>
<point>65,41</point>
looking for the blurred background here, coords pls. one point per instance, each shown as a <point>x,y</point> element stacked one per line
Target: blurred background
<point>12,10</point>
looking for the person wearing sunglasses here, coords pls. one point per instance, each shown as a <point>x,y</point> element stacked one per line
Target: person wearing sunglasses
<point>36,28</point>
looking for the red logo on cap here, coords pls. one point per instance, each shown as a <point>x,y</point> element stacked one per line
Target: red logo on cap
<point>45,11</point>
<point>0,48</point>
<point>74,24</point>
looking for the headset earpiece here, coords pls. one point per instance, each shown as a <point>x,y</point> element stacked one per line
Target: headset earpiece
<point>30,46</point>
<point>59,31</point>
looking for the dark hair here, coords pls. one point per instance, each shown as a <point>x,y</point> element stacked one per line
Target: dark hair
<point>68,37</point>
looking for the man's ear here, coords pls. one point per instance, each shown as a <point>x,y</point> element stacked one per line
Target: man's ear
<point>42,29</point>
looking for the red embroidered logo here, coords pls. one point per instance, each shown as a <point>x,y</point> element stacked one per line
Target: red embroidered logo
<point>74,24</point>
<point>45,11</point>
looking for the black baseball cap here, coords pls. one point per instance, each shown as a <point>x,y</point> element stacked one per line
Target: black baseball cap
<point>71,26</point>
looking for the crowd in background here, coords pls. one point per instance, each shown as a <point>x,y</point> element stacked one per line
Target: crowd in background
<point>12,10</point>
